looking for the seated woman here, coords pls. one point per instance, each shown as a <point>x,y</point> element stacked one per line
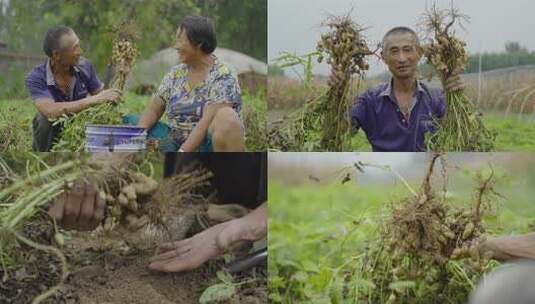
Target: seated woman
<point>200,95</point>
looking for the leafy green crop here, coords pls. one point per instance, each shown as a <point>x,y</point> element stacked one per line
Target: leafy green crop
<point>319,236</point>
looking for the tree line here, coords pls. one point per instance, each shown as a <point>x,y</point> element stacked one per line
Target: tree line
<point>240,24</point>
<point>514,55</point>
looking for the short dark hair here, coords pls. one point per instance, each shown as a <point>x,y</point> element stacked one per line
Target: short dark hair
<point>53,38</point>
<point>200,32</point>
<point>400,30</point>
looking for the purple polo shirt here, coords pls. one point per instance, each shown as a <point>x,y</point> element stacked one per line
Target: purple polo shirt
<point>377,112</point>
<point>41,84</point>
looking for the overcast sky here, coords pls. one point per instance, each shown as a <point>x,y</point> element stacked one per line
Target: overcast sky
<point>294,25</point>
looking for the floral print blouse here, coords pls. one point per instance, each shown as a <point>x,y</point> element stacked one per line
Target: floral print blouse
<point>184,104</point>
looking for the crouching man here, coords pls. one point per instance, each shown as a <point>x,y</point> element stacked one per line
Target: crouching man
<point>65,83</point>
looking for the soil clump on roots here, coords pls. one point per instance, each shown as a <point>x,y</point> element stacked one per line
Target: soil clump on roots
<point>428,250</point>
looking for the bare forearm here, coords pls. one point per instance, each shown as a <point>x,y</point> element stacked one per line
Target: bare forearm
<point>153,113</point>
<point>260,215</point>
<point>148,119</point>
<point>249,228</point>
<point>257,220</point>
<point>56,109</point>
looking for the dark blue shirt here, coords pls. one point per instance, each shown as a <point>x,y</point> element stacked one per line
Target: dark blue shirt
<point>378,114</point>
<point>41,84</point>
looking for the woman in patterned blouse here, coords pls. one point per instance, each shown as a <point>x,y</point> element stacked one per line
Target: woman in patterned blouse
<point>200,95</point>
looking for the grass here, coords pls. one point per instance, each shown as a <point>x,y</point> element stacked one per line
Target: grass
<point>20,112</point>
<point>15,125</point>
<point>254,115</point>
<point>359,142</point>
<point>314,233</point>
<point>317,233</point>
<point>513,134</point>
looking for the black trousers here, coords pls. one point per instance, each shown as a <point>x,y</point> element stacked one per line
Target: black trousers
<point>44,133</point>
<point>238,177</point>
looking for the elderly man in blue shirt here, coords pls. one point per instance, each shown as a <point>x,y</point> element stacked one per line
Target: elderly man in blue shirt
<point>65,84</point>
<point>396,116</point>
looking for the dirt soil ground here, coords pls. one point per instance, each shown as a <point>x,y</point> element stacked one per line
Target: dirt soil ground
<point>114,276</point>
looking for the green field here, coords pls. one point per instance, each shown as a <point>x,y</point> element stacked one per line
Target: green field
<point>513,134</point>
<point>19,113</point>
<point>317,234</point>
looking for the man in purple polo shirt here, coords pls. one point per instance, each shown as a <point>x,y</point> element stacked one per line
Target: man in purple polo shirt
<point>65,84</point>
<point>397,115</point>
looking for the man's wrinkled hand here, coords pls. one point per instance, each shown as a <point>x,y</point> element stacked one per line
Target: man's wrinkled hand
<point>81,208</point>
<point>454,83</point>
<point>109,95</point>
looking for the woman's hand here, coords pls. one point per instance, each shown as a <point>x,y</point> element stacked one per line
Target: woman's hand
<point>191,253</point>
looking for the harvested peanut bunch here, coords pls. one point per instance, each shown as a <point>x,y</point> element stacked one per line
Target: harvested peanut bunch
<point>124,201</point>
<point>124,54</point>
<point>345,50</point>
<point>428,250</point>
<point>462,128</point>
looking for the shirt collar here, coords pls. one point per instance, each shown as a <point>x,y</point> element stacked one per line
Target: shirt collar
<point>388,89</point>
<point>212,74</point>
<point>50,76</point>
<point>419,87</point>
<point>213,69</point>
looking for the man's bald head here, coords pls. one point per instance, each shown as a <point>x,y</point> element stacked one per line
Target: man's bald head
<point>397,31</point>
<point>54,39</point>
<point>401,52</point>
